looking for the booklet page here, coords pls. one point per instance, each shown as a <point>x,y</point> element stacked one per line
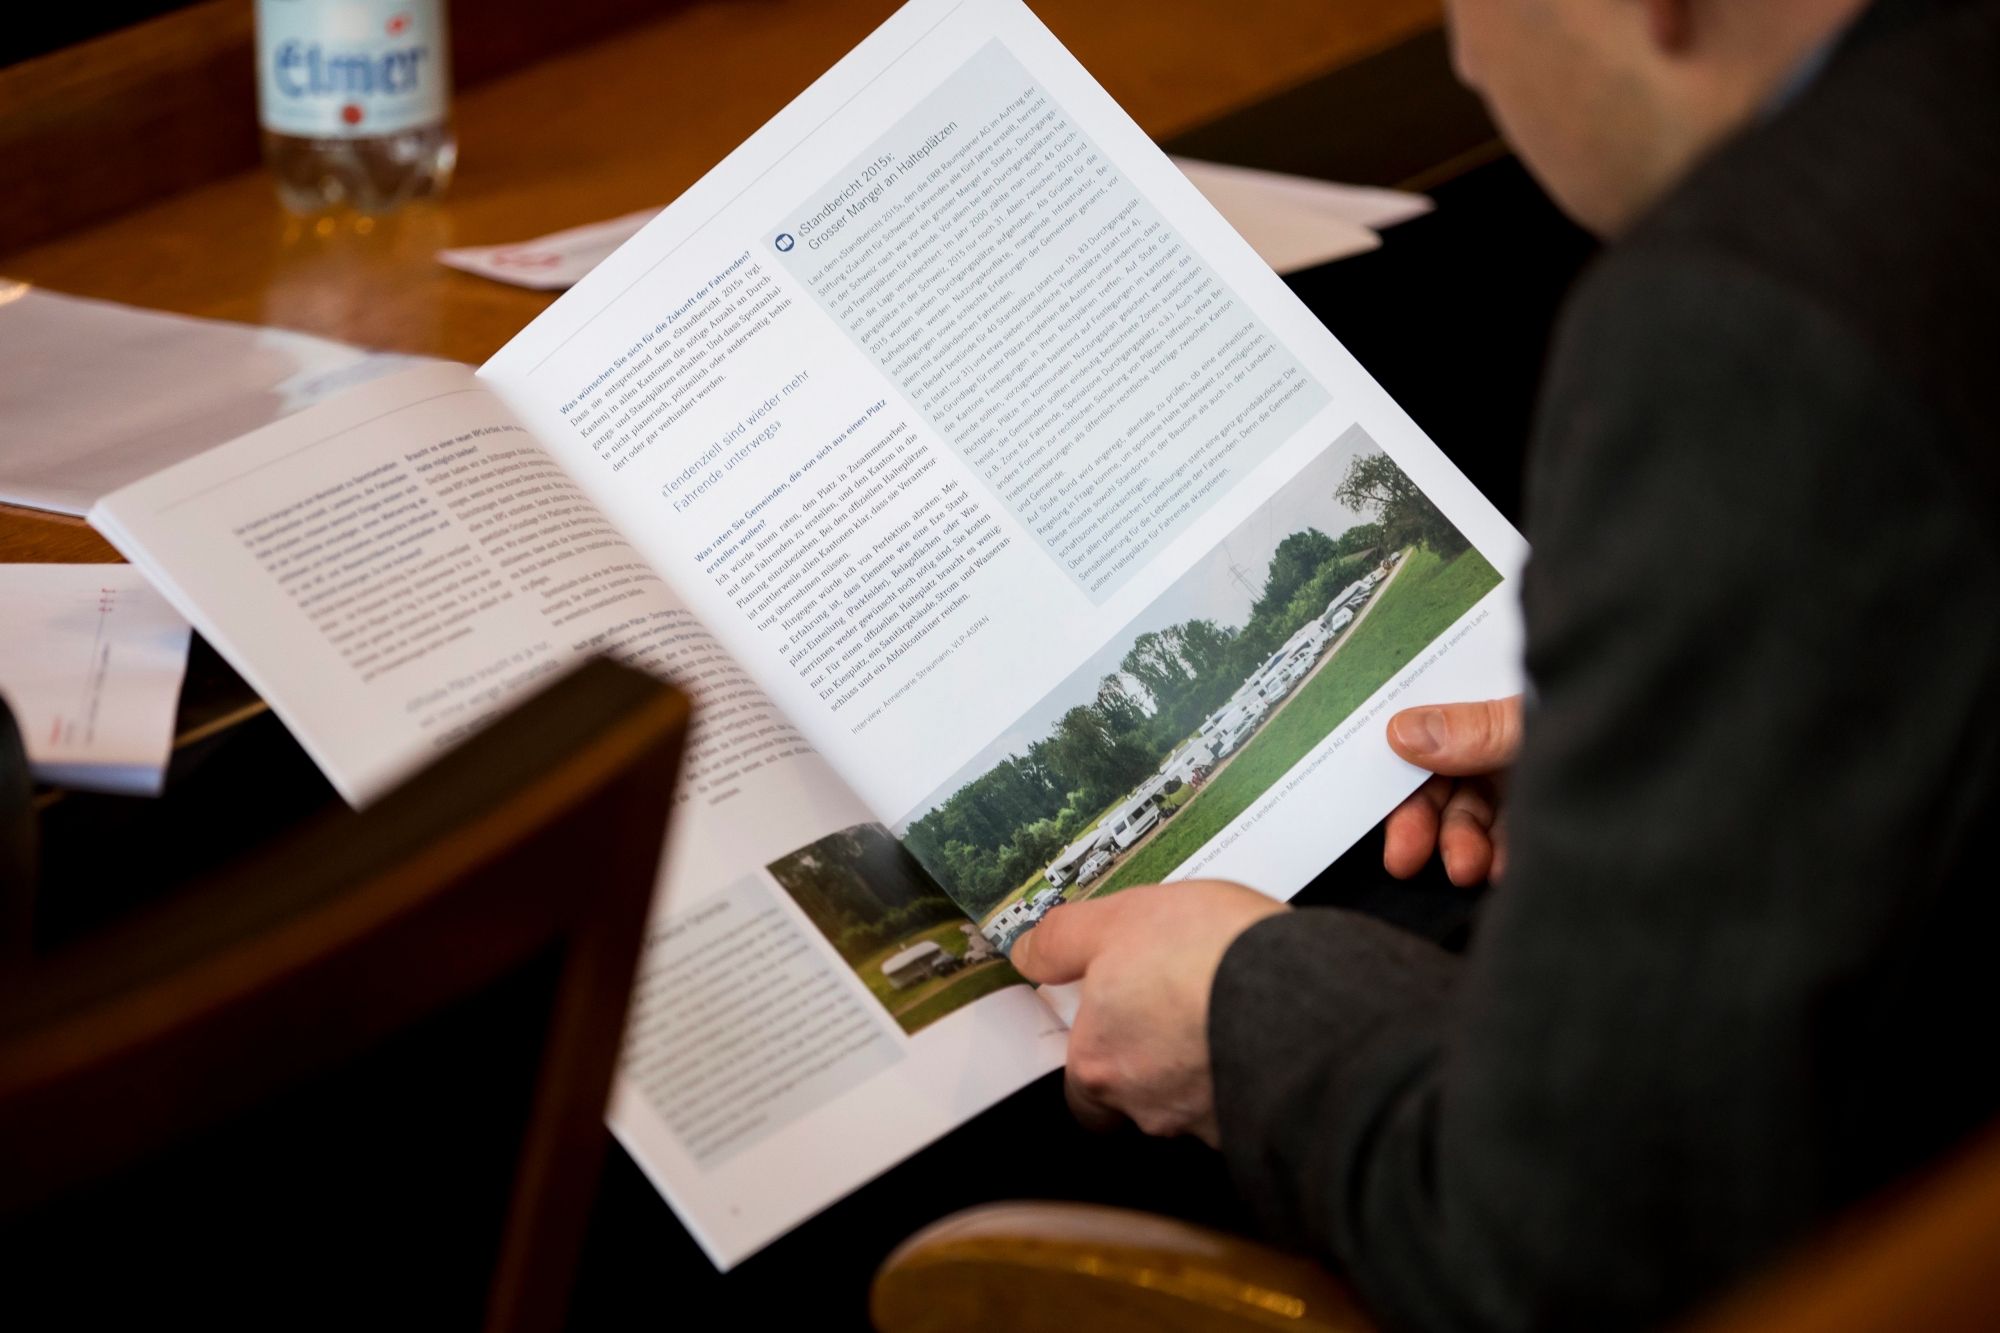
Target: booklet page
<point>403,563</point>
<point>91,666</point>
<point>395,568</point>
<point>1036,500</point>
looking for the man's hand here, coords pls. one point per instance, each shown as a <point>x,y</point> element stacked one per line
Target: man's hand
<point>1147,959</point>
<point>1470,747</point>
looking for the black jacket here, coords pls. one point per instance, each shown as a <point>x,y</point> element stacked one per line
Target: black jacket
<point>1742,968</point>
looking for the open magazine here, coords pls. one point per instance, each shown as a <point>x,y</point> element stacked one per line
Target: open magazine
<point>1017,532</point>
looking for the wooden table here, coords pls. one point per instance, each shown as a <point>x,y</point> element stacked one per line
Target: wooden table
<point>625,124</point>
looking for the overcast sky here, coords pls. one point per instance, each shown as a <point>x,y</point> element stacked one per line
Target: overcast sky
<point>1221,587</point>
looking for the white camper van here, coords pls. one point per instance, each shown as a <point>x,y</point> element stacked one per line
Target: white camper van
<point>1229,724</point>
<point>1194,755</point>
<point>1288,674</point>
<point>1239,725</point>
<point>1062,871</point>
<point>1352,595</point>
<point>919,962</point>
<point>1002,929</point>
<point>1296,661</point>
<point>1275,684</point>
<point>1130,822</point>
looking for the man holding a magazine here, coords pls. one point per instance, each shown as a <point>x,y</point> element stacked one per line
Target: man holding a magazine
<point>1734,973</point>
<point>1022,538</point>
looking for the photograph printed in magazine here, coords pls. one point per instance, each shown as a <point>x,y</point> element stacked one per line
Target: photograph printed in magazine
<point>1019,535</point>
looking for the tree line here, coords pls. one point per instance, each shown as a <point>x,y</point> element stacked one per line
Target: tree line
<point>863,889</point>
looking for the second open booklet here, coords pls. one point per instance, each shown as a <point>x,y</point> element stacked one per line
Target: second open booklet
<point>1018,533</point>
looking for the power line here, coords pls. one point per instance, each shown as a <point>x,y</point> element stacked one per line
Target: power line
<point>1237,572</point>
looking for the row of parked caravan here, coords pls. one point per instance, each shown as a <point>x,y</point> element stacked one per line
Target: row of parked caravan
<point>1018,915</point>
<point>1088,857</point>
<point>1221,734</point>
<point>1224,731</point>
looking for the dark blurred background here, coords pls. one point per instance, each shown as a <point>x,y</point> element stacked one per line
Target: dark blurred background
<point>34,30</point>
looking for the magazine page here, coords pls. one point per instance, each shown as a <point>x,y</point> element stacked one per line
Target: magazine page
<point>394,568</point>
<point>953,408</point>
<point>390,569</point>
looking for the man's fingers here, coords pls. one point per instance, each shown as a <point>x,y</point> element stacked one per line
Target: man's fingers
<point>1094,1115</point>
<point>1465,834</point>
<point>1459,740</point>
<point>1059,948</point>
<point>1472,740</point>
<point>1410,834</point>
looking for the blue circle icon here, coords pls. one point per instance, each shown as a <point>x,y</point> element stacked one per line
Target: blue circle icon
<point>784,241</point>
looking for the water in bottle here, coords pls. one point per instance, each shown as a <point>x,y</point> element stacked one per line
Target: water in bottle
<point>355,101</point>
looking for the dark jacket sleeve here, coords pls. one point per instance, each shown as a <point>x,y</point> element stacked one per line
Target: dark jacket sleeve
<point>1761,630</point>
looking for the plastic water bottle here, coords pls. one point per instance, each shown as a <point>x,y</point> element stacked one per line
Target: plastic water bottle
<point>355,100</point>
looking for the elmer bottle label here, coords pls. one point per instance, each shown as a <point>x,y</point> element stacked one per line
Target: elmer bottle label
<point>351,69</point>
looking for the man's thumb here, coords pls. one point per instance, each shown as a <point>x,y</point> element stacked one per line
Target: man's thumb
<point>1459,740</point>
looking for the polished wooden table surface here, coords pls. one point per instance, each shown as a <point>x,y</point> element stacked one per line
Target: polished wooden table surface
<point>629,123</point>
<point>625,124</point>
<point>622,125</point>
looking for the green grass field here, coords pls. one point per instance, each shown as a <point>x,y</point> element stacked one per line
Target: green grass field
<point>930,1000</point>
<point>958,992</point>
<point>1426,597</point>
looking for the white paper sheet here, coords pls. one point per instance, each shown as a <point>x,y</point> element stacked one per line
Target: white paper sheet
<point>1365,205</point>
<point>95,395</point>
<point>1290,221</point>
<point>91,665</point>
<point>1293,222</point>
<point>553,262</point>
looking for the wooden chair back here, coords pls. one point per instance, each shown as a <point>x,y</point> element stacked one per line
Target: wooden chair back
<point>1040,1267</point>
<point>1924,1258</point>
<point>17,844</point>
<point>529,852</point>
